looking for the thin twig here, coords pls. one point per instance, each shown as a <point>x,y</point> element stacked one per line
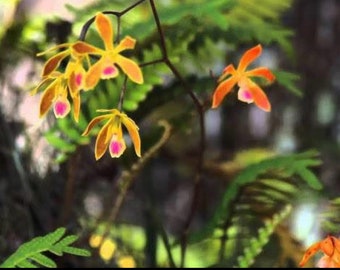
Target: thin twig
<point>200,111</point>
<point>127,178</point>
<point>119,14</point>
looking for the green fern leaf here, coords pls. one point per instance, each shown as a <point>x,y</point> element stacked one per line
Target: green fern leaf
<point>288,80</point>
<point>25,264</point>
<point>31,251</point>
<point>76,251</point>
<point>256,244</point>
<point>44,260</point>
<point>296,163</point>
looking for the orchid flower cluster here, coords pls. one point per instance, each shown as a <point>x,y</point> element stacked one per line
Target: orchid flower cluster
<point>82,73</point>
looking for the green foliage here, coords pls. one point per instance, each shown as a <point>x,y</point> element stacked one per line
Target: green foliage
<point>256,244</point>
<point>330,217</point>
<point>289,81</point>
<point>282,168</point>
<point>29,254</point>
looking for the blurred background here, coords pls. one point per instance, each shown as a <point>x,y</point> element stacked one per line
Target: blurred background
<point>49,176</point>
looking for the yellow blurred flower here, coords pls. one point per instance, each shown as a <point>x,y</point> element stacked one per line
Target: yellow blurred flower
<point>107,249</point>
<point>95,240</point>
<point>126,262</point>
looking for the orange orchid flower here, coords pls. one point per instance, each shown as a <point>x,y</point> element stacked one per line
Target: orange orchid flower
<point>248,91</point>
<point>111,134</point>
<point>330,246</point>
<point>110,58</point>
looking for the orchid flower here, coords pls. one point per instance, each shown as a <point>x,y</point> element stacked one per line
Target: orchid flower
<point>111,134</point>
<point>330,246</point>
<point>110,57</point>
<point>57,86</point>
<point>248,91</point>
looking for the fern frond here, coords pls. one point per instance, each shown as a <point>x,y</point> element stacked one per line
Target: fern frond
<point>256,244</point>
<point>295,166</point>
<point>29,254</point>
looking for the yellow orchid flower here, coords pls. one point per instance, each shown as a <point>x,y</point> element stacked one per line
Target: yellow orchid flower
<point>111,134</point>
<point>248,91</point>
<point>57,86</point>
<point>110,57</point>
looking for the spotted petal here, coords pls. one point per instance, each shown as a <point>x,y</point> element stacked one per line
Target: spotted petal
<point>309,253</point>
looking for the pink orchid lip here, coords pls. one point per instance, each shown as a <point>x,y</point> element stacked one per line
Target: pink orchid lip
<point>60,108</point>
<point>79,79</point>
<point>115,147</point>
<point>109,70</point>
<point>245,95</point>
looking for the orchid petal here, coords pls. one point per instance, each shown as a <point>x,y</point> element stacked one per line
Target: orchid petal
<point>105,30</point>
<point>222,90</point>
<point>61,107</point>
<point>44,81</point>
<point>82,47</point>
<point>60,46</point>
<point>327,246</point>
<point>260,98</point>
<point>53,63</point>
<point>327,262</point>
<point>109,71</point>
<point>132,128</point>
<point>47,99</point>
<point>117,144</point>
<point>309,253</point>
<point>131,69</point>
<point>229,70</point>
<point>336,243</point>
<point>93,74</point>
<point>126,44</point>
<point>76,107</point>
<point>245,95</point>
<point>248,57</point>
<point>75,81</point>
<point>101,141</point>
<point>94,122</point>
<point>261,72</point>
